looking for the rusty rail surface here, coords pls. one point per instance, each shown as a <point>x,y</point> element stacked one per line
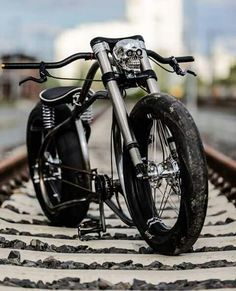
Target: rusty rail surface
<point>13,170</point>
<point>222,164</point>
<point>222,172</point>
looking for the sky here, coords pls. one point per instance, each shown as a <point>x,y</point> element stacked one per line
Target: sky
<point>31,26</point>
<point>24,22</point>
<point>215,22</point>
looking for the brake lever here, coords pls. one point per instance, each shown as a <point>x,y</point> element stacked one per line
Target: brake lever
<point>37,80</point>
<point>43,73</point>
<point>176,67</point>
<point>178,70</point>
<point>191,73</point>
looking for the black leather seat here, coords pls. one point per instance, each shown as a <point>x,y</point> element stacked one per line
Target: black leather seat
<point>58,95</point>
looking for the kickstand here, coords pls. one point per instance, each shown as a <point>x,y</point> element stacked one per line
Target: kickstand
<point>88,227</point>
<point>94,225</point>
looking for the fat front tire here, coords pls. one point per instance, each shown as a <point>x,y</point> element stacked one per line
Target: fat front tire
<point>66,149</point>
<point>170,207</point>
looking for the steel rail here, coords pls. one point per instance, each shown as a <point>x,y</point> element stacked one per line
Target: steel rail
<point>222,172</point>
<point>222,164</point>
<point>14,166</point>
<point>222,169</point>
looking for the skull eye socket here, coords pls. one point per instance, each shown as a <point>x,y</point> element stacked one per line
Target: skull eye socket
<point>139,52</point>
<point>120,51</point>
<point>129,53</point>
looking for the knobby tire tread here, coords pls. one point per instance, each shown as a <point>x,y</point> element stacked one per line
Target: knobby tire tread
<point>194,191</point>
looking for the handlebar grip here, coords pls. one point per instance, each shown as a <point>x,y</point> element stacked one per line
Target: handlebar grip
<point>160,59</point>
<point>186,59</point>
<point>20,65</point>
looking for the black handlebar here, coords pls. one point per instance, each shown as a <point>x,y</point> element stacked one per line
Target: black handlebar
<point>89,56</point>
<point>160,59</point>
<point>52,65</point>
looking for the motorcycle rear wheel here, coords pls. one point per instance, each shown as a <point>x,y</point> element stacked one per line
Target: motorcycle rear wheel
<point>55,184</point>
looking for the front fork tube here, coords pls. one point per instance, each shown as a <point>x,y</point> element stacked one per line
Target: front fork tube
<point>120,109</point>
<point>151,82</point>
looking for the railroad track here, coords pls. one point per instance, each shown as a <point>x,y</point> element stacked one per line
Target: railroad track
<point>34,254</point>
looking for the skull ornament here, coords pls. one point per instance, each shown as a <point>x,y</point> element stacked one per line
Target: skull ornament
<point>127,54</point>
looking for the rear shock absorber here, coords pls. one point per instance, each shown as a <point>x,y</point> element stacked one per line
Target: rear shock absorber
<point>48,114</point>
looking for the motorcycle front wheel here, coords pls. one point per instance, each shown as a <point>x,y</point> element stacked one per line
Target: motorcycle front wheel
<point>169,207</point>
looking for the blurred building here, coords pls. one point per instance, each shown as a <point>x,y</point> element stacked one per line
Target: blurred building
<point>202,28</point>
<point>9,79</point>
<point>159,22</point>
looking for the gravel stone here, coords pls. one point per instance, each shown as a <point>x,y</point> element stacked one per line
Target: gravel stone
<point>3,261</point>
<point>66,265</point>
<point>108,236</point>
<point>184,266</point>
<point>38,244</point>
<point>120,236</point>
<point>51,262</point>
<point>24,221</point>
<point>108,265</point>
<point>146,250</point>
<point>28,263</point>
<point>228,234</point>
<point>7,220</point>
<point>219,213</point>
<point>155,265</point>
<point>27,283</point>
<point>39,222</point>
<point>46,235</point>
<point>40,285</point>
<point>12,208</point>
<point>122,286</point>
<point>26,233</point>
<point>126,263</point>
<point>66,249</point>
<point>118,250</point>
<point>215,249</point>
<point>104,284</point>
<point>207,235</point>
<point>17,244</point>
<point>2,239</point>
<point>74,283</point>
<point>10,231</point>
<point>14,256</point>
<point>138,284</point>
<point>229,248</point>
<point>62,236</point>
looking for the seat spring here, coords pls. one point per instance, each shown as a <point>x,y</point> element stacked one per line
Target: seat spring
<point>48,114</point>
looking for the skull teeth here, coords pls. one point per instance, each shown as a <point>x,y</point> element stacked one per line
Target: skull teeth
<point>133,64</point>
